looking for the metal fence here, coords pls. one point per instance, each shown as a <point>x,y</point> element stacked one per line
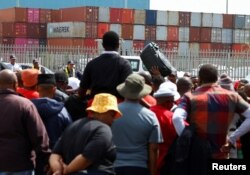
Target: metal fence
<point>235,64</point>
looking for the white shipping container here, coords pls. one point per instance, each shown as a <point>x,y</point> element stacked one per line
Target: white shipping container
<point>227,36</point>
<point>139,17</point>
<point>247,22</point>
<point>66,30</point>
<point>207,20</point>
<point>239,36</point>
<point>173,18</point>
<point>139,32</point>
<point>217,20</point>
<point>116,28</point>
<point>162,18</point>
<point>183,48</point>
<point>216,35</point>
<point>195,19</point>
<point>184,34</point>
<point>104,14</point>
<point>127,47</point>
<point>161,33</point>
<point>194,48</point>
<point>247,36</point>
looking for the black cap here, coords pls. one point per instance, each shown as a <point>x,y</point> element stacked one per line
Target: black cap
<point>12,57</point>
<point>61,76</point>
<point>71,62</point>
<point>46,79</point>
<point>35,60</point>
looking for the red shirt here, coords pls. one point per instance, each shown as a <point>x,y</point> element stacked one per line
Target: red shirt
<point>29,94</point>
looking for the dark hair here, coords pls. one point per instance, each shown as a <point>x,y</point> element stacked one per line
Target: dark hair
<point>110,40</point>
<point>208,73</point>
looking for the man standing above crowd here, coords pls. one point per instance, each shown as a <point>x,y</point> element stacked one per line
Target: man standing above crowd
<point>13,65</point>
<point>69,69</point>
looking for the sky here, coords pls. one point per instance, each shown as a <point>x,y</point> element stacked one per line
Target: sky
<point>211,6</point>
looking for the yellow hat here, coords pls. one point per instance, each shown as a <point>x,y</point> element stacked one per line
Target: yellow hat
<point>104,102</point>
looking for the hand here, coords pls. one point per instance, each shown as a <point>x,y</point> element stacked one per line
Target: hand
<point>155,71</point>
<point>226,148</point>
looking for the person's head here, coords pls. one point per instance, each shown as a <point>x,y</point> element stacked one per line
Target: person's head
<point>110,41</point>
<point>165,97</point>
<point>134,87</point>
<point>8,80</point>
<point>12,59</point>
<point>104,108</point>
<point>73,85</point>
<point>187,74</point>
<point>61,80</point>
<point>208,73</point>
<point>195,82</point>
<point>46,85</point>
<point>242,84</point>
<point>157,81</point>
<point>226,82</point>
<point>184,84</point>
<point>36,64</point>
<point>247,89</point>
<point>29,78</point>
<point>70,64</point>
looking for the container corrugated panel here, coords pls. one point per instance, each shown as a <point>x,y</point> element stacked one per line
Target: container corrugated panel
<point>150,33</point>
<point>238,36</point>
<point>161,33</point>
<point>127,31</point>
<point>207,20</point>
<point>184,34</point>
<point>205,46</point>
<point>33,15</point>
<point>104,14</point>
<point>139,32</point>
<point>216,46</point>
<point>43,42</point>
<point>173,18</point>
<point>173,33</point>
<point>227,36</point>
<point>21,29</point>
<point>184,19</point>
<point>172,46</point>
<point>21,41</point>
<point>76,14</point>
<point>247,36</point>
<point>150,17</point>
<point>247,22</point>
<point>66,30</point>
<point>227,47</point>
<point>216,35</point>
<point>205,34</point>
<point>45,15</point>
<point>13,15</point>
<point>33,30</point>
<point>239,21</point>
<point>116,28</point>
<point>7,29</point>
<point>127,16</point>
<point>42,30</point>
<point>195,19</point>
<point>140,17</point>
<point>127,46</point>
<point>138,45</point>
<point>91,30</point>
<point>92,14</point>
<point>162,45</point>
<point>194,47</point>
<point>115,15</point>
<point>217,20</point>
<point>162,18</point>
<point>65,42</point>
<point>227,21</point>
<point>55,15</point>
<point>240,47</point>
<point>183,48</point>
<point>90,43</point>
<point>7,41</point>
<point>32,42</point>
<point>194,34</point>
<point>102,28</point>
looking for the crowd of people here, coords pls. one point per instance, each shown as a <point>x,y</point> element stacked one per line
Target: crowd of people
<point>116,122</point>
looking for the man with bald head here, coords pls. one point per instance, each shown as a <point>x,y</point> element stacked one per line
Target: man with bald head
<point>184,84</point>
<point>22,130</point>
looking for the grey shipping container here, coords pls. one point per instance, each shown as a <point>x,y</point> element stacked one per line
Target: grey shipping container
<point>139,17</point>
<point>247,36</point>
<point>161,33</point>
<point>207,20</point>
<point>227,36</point>
<point>194,47</point>
<point>116,28</point>
<point>195,19</point>
<point>239,36</point>
<point>66,30</point>
<point>217,20</point>
<point>162,18</point>
<point>173,18</point>
<point>184,34</point>
<point>183,48</point>
<point>247,22</point>
<point>127,47</point>
<point>216,35</point>
<point>104,14</point>
<point>139,32</point>
<point>239,21</point>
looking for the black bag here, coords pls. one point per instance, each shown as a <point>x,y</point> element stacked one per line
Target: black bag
<point>151,56</point>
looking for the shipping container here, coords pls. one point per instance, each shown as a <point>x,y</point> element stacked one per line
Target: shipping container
<point>194,47</point>
<point>127,16</point>
<point>195,19</point>
<point>127,31</point>
<point>45,15</point>
<point>104,14</point>
<point>21,41</point>
<point>56,16</point>
<point>217,20</point>
<point>33,15</point>
<point>247,36</point>
<point>216,46</point>
<point>76,14</point>
<point>65,42</point>
<point>183,48</point>
<point>205,46</point>
<point>92,14</point>
<point>138,44</point>
<point>173,33</point>
<point>227,36</point>
<point>162,45</point>
<point>42,30</point>
<point>161,33</point>
<point>127,47</point>
<point>247,22</point>
<point>7,29</point>
<point>227,21</point>
<point>33,30</point>
<point>173,18</point>
<point>66,30</point>
<point>91,30</point>
<point>240,47</point>
<point>102,28</point>
<point>194,34</point>
<point>216,35</point>
<point>239,21</point>
<point>239,36</point>
<point>43,42</point>
<point>33,42</point>
<point>13,15</point>
<point>205,35</point>
<point>227,47</point>
<point>116,28</point>
<point>150,17</point>
<point>207,20</point>
<point>20,29</point>
<point>139,32</point>
<point>7,41</point>
<point>115,15</point>
<point>184,19</point>
<point>162,18</point>
<point>184,34</point>
<point>150,33</point>
<point>173,46</point>
<point>139,17</point>
<point>90,43</point>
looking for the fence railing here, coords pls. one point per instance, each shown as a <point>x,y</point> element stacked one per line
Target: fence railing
<point>235,64</point>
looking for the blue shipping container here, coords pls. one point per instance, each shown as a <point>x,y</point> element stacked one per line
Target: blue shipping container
<point>239,21</point>
<point>151,17</point>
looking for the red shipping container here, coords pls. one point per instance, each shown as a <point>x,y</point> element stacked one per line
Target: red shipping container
<point>42,30</point>
<point>115,15</point>
<point>33,30</point>
<point>45,15</point>
<point>21,41</point>
<point>138,44</point>
<point>127,31</point>
<point>162,45</point>
<point>205,34</point>
<point>13,15</point>
<point>173,33</point>
<point>240,47</point>
<point>56,16</point>
<point>33,15</point>
<point>184,19</point>
<point>91,43</point>
<point>194,34</point>
<point>102,28</point>
<point>227,21</point>
<point>33,42</point>
<point>7,29</point>
<point>172,46</point>
<point>205,46</point>
<point>65,42</point>
<point>73,14</point>
<point>92,14</point>
<point>150,33</point>
<point>227,47</point>
<point>7,41</point>
<point>127,16</point>
<point>91,30</point>
<point>21,29</point>
<point>216,46</point>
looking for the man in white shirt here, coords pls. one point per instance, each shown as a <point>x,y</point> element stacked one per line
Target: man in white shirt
<point>13,65</point>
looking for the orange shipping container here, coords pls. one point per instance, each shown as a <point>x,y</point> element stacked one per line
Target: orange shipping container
<point>92,14</point>
<point>91,30</point>
<point>194,34</point>
<point>227,21</point>
<point>127,31</point>
<point>7,41</point>
<point>205,35</point>
<point>73,14</point>
<point>13,15</point>
<point>45,15</point>
<point>173,33</point>
<point>55,15</point>
<point>127,16</point>
<point>205,46</point>
<point>172,46</point>
<point>10,29</point>
<point>115,15</point>
<point>91,43</point>
<point>102,28</point>
<point>240,47</point>
<point>150,33</point>
<point>65,42</point>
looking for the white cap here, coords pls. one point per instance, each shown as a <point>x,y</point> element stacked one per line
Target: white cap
<point>167,89</point>
<point>74,83</point>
